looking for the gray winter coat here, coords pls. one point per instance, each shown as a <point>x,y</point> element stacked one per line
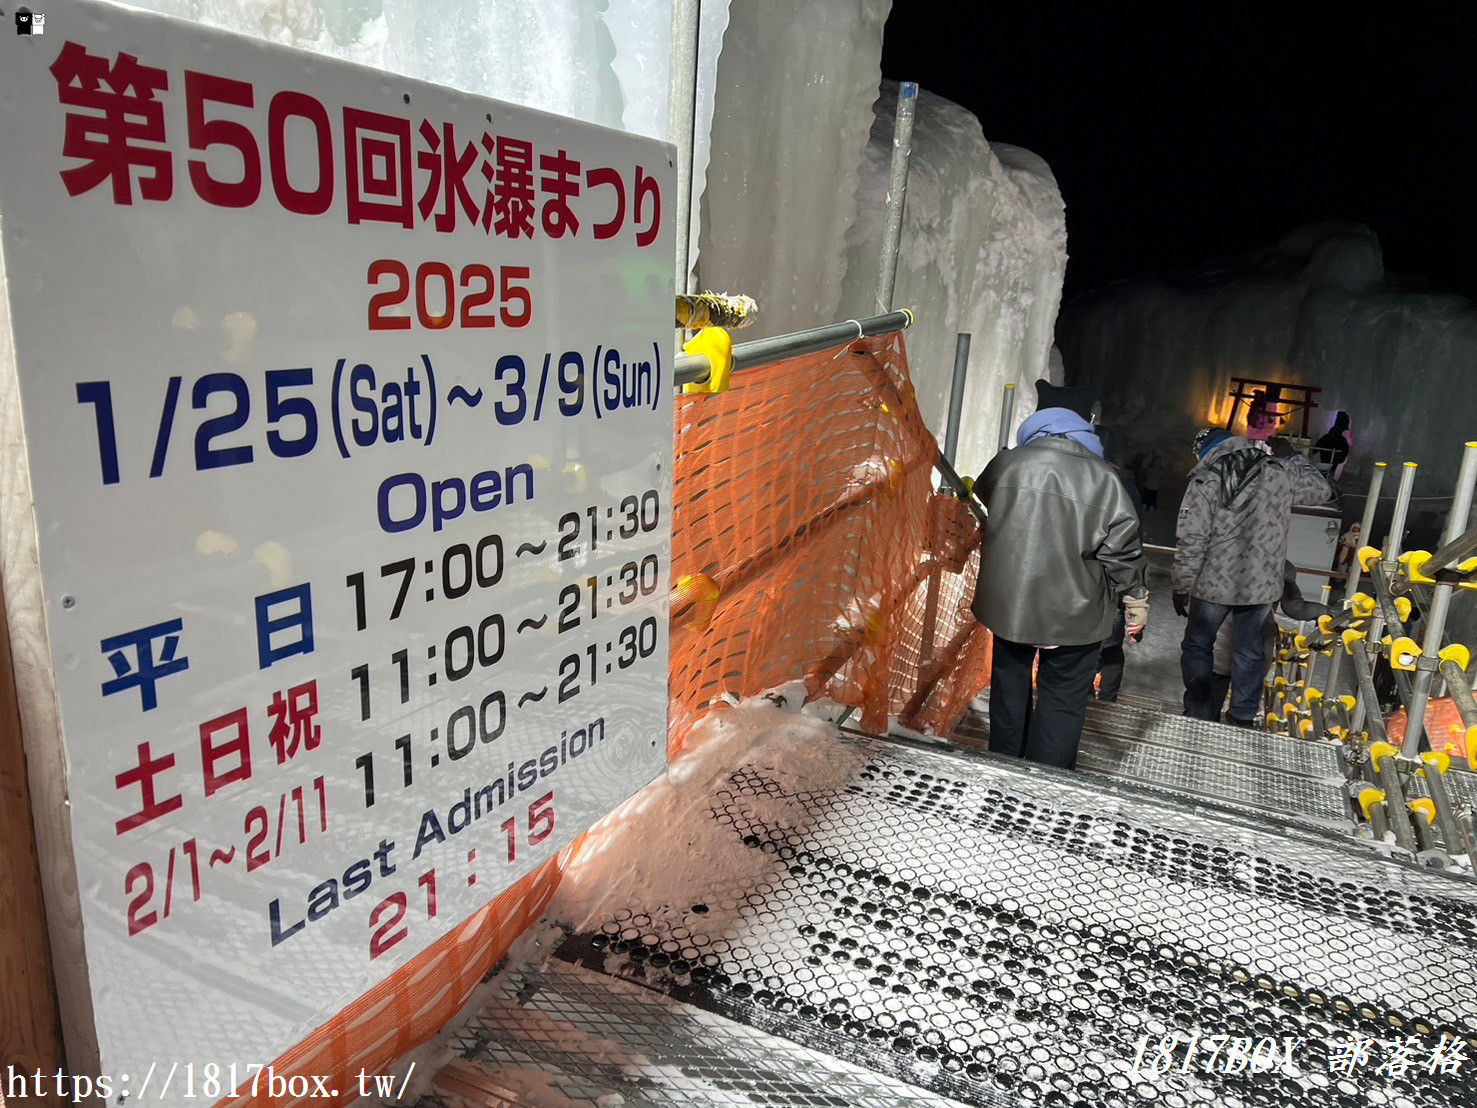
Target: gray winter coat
<point>1234,520</point>
<point>1061,545</point>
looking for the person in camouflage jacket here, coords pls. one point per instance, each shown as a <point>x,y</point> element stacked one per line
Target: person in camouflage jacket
<point>1231,542</point>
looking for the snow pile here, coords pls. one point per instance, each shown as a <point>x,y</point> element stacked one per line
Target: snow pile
<point>661,853</point>
<point>984,250</point>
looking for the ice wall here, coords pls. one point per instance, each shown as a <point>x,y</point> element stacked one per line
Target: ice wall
<point>789,209</point>
<point>1316,309</point>
<point>984,250</point>
<point>795,86</point>
<point>602,61</point>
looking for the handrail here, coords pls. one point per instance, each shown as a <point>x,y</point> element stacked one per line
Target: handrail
<point>1453,552</point>
<point>690,369</point>
<point>961,490</point>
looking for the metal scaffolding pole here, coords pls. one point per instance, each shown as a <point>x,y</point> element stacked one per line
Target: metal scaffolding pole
<point>1460,693</point>
<point>951,443</point>
<point>1435,626</point>
<point>1007,416</point>
<point>956,396</point>
<point>681,119</point>
<point>1391,554</point>
<point>689,369</point>
<point>1387,771</point>
<point>897,191</point>
<point>1366,533</point>
<point>1451,833</point>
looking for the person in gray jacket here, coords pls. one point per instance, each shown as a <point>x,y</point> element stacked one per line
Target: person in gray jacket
<point>1061,549</point>
<point>1294,606</point>
<point>1230,549</point>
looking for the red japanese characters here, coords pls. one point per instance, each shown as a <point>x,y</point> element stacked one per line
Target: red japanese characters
<point>387,168</point>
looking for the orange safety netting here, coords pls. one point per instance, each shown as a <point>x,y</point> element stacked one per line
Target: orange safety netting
<point>805,533</point>
<point>1445,729</point>
<point>807,543</point>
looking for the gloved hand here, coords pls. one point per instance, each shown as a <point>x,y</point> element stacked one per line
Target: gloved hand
<point>1135,615</point>
<point>1182,604</point>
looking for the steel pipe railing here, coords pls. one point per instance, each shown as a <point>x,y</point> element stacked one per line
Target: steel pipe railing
<point>1458,550</point>
<point>961,490</point>
<point>1388,773</point>
<point>1457,546</point>
<point>1007,416</point>
<point>1391,555</point>
<point>956,395</point>
<point>1435,623</point>
<point>897,191</point>
<point>1366,532</point>
<point>690,369</point>
<point>1460,692</point>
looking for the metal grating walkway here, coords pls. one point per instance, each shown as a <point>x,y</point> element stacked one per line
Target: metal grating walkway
<point>1236,768</point>
<point>997,934</point>
<point>603,1040</point>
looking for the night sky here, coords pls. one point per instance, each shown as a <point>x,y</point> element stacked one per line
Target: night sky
<point>1182,135</point>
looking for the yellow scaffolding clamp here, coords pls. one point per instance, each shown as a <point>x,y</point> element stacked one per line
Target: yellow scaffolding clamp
<point>1415,561</point>
<point>1350,637</point>
<point>1368,555</point>
<point>717,344</point>
<point>1381,750</point>
<point>1414,564</point>
<point>1438,758</point>
<point>1403,653</point>
<point>1363,605</point>
<point>1368,798</point>
<point>701,593</point>
<point>1424,806</point>
<point>1457,653</point>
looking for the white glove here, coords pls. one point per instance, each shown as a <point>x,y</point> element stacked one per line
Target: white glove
<point>1136,614</point>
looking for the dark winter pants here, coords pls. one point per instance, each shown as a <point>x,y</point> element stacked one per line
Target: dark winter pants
<point>1220,685</point>
<point>1110,660</point>
<point>1050,730</point>
<point>1248,661</point>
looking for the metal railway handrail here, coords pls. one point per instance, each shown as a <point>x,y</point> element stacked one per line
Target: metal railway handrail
<point>961,490</point>
<point>692,369</point>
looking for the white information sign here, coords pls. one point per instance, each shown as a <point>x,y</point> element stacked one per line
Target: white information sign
<point>347,404</point>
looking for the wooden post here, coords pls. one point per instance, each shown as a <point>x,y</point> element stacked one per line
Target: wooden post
<point>30,1030</point>
<point>41,942</point>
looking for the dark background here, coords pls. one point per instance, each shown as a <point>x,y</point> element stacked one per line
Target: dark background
<point>1182,135</point>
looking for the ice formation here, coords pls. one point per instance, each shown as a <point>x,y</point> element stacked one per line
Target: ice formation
<point>984,250</point>
<point>1317,308</point>
<point>790,152</point>
<point>602,61</point>
<point>795,88</point>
